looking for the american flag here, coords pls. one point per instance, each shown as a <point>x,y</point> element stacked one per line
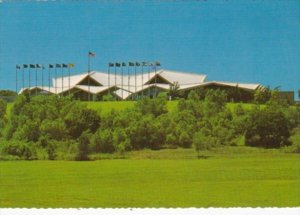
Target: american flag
<point>91,54</point>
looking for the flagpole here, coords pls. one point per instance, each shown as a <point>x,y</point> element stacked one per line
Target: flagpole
<point>55,74</point>
<point>142,80</point>
<point>108,78</point>
<point>43,77</point>
<point>149,78</point>
<point>23,78</point>
<point>62,79</point>
<point>135,81</point>
<point>29,80</point>
<point>122,79</point>
<point>69,79</point>
<point>49,78</point>
<point>16,79</point>
<point>115,76</point>
<point>128,78</point>
<point>155,90</point>
<point>36,80</point>
<point>89,76</point>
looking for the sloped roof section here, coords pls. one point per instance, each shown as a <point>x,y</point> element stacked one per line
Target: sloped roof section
<point>221,83</point>
<point>181,77</point>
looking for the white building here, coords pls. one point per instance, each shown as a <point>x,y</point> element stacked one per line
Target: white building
<point>96,84</point>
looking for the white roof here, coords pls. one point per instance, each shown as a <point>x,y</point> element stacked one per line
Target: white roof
<point>182,77</point>
<point>140,79</point>
<point>221,83</point>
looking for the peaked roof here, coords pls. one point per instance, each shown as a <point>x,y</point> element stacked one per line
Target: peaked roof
<point>105,79</point>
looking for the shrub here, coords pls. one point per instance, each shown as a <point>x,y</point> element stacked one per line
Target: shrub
<point>102,141</point>
<point>83,147</point>
<point>2,109</point>
<point>21,149</point>
<point>267,128</point>
<point>201,142</point>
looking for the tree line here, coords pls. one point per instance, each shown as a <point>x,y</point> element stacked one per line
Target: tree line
<point>50,127</point>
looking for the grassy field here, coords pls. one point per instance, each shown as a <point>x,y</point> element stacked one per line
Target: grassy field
<point>105,107</point>
<point>162,178</point>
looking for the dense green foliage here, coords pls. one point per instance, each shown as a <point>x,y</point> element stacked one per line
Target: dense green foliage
<point>62,128</point>
<point>8,95</point>
<point>245,177</point>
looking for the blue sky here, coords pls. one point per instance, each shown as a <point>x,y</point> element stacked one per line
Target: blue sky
<point>245,41</point>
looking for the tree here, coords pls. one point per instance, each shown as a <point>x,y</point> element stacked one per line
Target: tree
<point>185,140</point>
<point>262,95</point>
<point>268,128</point>
<point>79,119</point>
<point>174,90</point>
<point>201,142</point>
<point>102,141</point>
<point>83,146</point>
<point>156,106</point>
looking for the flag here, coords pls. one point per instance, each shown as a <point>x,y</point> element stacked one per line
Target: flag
<point>123,64</point>
<point>157,63</point>
<point>144,64</point>
<point>32,66</point>
<point>51,66</point>
<point>111,64</point>
<point>18,67</point>
<point>71,65</point>
<point>117,64</point>
<point>65,65</point>
<point>25,66</point>
<point>38,66</point>
<point>57,65</point>
<point>131,64</point>
<point>91,54</point>
<point>137,64</point>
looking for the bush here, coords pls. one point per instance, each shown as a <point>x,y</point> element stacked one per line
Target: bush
<point>102,141</point>
<point>21,149</point>
<point>202,142</point>
<point>83,147</point>
<point>267,128</point>
<point>2,109</point>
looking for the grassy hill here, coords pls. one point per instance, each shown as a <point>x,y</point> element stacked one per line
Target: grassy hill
<point>105,107</point>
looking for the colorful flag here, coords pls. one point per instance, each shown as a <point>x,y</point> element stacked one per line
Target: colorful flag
<point>51,66</point>
<point>131,64</point>
<point>144,64</point>
<point>123,64</point>
<point>111,64</point>
<point>25,66</point>
<point>71,65</point>
<point>91,54</point>
<point>38,66</point>
<point>32,66</point>
<point>157,63</point>
<point>18,67</point>
<point>117,64</point>
<point>137,64</point>
<point>57,65</point>
<point>64,65</point>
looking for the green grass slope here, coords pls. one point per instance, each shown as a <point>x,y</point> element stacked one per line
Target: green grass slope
<point>265,181</point>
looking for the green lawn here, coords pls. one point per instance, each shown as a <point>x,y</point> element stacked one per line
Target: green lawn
<point>162,178</point>
<point>105,107</point>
